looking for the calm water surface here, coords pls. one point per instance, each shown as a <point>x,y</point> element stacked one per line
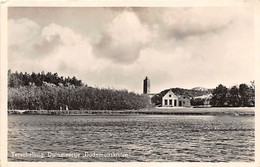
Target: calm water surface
<point>131,138</point>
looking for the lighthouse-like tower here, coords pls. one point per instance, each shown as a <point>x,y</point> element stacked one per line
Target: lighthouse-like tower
<point>146,86</point>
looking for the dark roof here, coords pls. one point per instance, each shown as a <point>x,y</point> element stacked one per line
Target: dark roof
<point>167,90</point>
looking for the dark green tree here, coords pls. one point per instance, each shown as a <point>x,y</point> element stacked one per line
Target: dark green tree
<point>247,95</point>
<point>233,97</point>
<point>219,98</point>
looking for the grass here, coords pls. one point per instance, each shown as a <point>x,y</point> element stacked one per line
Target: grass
<point>236,111</point>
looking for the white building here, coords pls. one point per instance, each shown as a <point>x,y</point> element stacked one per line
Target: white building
<point>172,100</point>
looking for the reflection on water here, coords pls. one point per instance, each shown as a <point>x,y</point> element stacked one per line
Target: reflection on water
<point>140,137</point>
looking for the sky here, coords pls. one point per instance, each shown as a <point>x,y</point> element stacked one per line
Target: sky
<point>118,47</point>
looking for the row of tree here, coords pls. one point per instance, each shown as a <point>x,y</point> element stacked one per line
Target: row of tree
<point>51,96</point>
<point>16,79</point>
<point>237,96</point>
<point>51,92</point>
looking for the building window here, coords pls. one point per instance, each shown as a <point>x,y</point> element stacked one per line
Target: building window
<point>175,102</point>
<point>180,103</point>
<point>170,95</point>
<point>170,102</point>
<point>165,102</point>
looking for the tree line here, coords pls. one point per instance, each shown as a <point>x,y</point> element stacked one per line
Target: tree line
<point>237,96</point>
<point>16,79</point>
<point>51,92</point>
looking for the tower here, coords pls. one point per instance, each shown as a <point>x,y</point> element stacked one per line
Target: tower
<point>146,86</point>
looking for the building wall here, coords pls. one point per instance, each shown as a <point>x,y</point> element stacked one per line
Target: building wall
<point>185,101</point>
<point>168,99</point>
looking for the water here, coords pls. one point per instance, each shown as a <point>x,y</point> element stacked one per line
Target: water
<point>131,138</point>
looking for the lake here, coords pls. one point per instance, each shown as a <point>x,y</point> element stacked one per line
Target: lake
<point>131,138</point>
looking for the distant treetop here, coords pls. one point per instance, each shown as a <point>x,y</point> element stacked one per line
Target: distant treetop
<point>24,79</point>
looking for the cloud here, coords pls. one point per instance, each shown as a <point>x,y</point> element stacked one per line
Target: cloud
<point>174,47</point>
<point>114,50</point>
<point>31,40</point>
<point>181,23</point>
<point>23,31</point>
<point>187,22</point>
<point>46,46</point>
<point>26,39</point>
<point>52,48</point>
<point>66,35</point>
<point>123,39</point>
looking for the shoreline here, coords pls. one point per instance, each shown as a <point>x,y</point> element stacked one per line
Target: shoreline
<point>233,111</point>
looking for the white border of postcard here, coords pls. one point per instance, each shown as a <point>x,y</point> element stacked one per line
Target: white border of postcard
<point>122,3</point>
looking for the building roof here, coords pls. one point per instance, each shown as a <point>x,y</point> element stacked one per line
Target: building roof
<point>170,91</point>
<point>179,95</point>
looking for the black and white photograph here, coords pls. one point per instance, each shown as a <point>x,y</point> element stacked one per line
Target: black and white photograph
<point>131,84</point>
